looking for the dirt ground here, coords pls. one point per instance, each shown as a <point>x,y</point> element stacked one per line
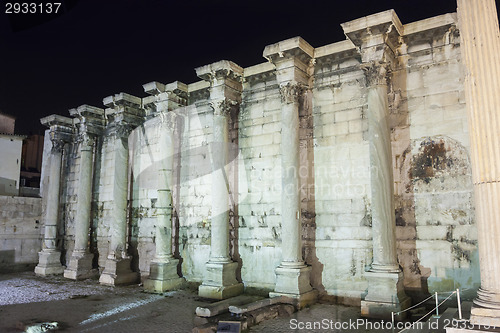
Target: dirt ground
<point>86,306</point>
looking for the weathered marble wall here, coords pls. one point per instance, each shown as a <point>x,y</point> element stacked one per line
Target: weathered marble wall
<point>433,185</point>
<point>260,177</point>
<point>342,172</point>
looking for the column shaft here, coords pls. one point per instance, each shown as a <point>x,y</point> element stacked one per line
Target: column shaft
<point>82,219</point>
<point>52,210</point>
<point>80,263</point>
<point>292,276</point>
<point>290,202</point>
<point>163,269</point>
<point>480,46</point>
<point>219,249</point>
<point>385,279</point>
<point>49,259</point>
<point>118,225</point>
<point>163,240</point>
<point>225,78</point>
<point>124,113</point>
<point>382,188</point>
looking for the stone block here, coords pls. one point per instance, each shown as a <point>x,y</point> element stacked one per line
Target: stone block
<point>442,99</point>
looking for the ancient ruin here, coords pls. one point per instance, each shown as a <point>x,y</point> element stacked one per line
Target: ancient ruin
<point>341,171</point>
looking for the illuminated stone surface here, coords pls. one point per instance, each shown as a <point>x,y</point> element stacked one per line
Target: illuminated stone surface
<point>328,171</point>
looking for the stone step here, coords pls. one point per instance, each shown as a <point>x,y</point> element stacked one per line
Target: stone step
<point>240,309</point>
<point>223,306</point>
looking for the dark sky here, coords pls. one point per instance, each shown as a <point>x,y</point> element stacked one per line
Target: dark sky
<point>96,48</point>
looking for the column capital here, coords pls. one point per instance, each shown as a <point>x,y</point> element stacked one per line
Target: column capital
<point>376,73</point>
<point>61,131</point>
<point>85,140</point>
<point>291,92</point>
<point>57,142</point>
<point>370,32</point>
<point>293,59</point>
<point>223,107</point>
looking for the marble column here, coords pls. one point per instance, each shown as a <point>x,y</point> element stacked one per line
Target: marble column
<point>292,59</point>
<point>377,37</point>
<point>49,262</point>
<point>163,269</point>
<point>385,279</point>
<point>123,109</point>
<point>480,47</point>
<point>225,95</point>
<point>91,122</point>
<point>80,263</point>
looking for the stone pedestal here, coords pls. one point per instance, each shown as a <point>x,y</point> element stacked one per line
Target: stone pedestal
<point>385,295</point>
<point>163,276</point>
<point>80,266</point>
<point>49,263</point>
<point>220,281</point>
<point>118,272</point>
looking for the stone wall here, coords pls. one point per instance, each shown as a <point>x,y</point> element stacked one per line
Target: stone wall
<point>433,180</point>
<point>435,229</point>
<point>21,232</point>
<point>342,172</point>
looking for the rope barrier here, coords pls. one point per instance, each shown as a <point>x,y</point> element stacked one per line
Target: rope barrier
<point>414,306</point>
<point>428,313</point>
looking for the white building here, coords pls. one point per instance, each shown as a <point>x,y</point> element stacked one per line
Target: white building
<point>10,166</point>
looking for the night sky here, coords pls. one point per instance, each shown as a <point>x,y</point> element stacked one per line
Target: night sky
<point>95,48</point>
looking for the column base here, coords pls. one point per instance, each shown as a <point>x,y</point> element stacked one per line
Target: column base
<point>385,295</point>
<point>294,282</point>
<point>80,266</point>
<point>118,272</point>
<point>49,263</point>
<point>486,309</point>
<point>163,276</point>
<point>220,281</point>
